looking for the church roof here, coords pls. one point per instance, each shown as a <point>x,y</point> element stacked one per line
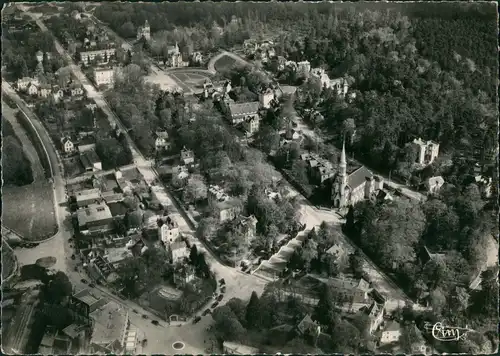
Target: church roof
<point>356,178</point>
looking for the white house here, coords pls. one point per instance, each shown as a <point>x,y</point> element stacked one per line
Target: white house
<point>57,94</point>
<point>427,151</point>
<point>104,76</point>
<point>266,97</point>
<point>169,231</point>
<point>161,141</point>
<point>251,125</point>
<point>67,145</point>
<point>45,90</point>
<point>187,156</point>
<point>23,83</point>
<point>33,89</point>
<point>197,57</point>
<point>391,333</point>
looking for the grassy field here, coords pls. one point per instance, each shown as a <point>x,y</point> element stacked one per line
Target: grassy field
<point>224,63</point>
<point>29,210</point>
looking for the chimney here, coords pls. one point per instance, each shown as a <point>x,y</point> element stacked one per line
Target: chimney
<point>379,183</point>
<point>368,187</point>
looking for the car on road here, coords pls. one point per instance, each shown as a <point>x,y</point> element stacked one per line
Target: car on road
<point>73,257</point>
<point>223,290</point>
<point>222,281</point>
<point>197,319</point>
<point>215,305</point>
<point>206,312</point>
<point>144,316</point>
<point>144,342</point>
<point>155,322</point>
<point>84,281</point>
<point>91,285</point>
<point>219,298</point>
<point>135,311</point>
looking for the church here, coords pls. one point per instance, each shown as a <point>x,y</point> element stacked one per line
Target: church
<point>144,31</point>
<point>348,189</point>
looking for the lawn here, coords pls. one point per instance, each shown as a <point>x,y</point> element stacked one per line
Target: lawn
<point>29,210</point>
<point>224,63</point>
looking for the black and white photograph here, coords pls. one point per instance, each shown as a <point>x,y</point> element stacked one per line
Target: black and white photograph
<point>245,178</point>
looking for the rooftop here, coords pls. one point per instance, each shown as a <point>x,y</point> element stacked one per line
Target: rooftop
<point>240,348</point>
<point>358,177</point>
<point>393,326</point>
<point>110,321</point>
<point>162,134</point>
<point>241,109</point>
<point>89,158</point>
<point>115,255</point>
<point>420,142</point>
<point>94,212</point>
<point>88,194</point>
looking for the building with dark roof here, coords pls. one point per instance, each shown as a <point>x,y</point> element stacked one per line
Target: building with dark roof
<point>91,161</point>
<point>240,112</point>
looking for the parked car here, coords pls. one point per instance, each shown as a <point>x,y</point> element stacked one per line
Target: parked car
<point>197,319</point>
<point>206,312</point>
<point>83,281</point>
<point>155,322</point>
<point>73,257</point>
<point>91,285</point>
<point>144,342</point>
<point>219,298</point>
<point>144,316</point>
<point>135,311</point>
<point>215,305</point>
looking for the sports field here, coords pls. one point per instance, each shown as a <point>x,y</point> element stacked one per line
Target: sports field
<point>29,210</point>
<point>224,63</point>
<point>191,80</point>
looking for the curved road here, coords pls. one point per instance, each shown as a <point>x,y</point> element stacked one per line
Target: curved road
<point>237,284</point>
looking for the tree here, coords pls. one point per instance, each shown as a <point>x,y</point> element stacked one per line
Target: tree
<point>58,288</point>
<point>238,307</point>
<point>325,312</point>
<point>16,168</point>
<point>227,327</point>
<point>356,263</point>
<point>195,189</point>
<point>113,153</point>
<point>193,255</point>
<point>330,265</point>
<point>267,139</point>
<point>349,219</point>
<point>253,315</point>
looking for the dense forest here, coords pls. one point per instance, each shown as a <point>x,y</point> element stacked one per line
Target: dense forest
<point>430,67</point>
<point>16,168</point>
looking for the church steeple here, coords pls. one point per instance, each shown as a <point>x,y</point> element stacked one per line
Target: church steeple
<point>343,161</point>
<point>342,182</point>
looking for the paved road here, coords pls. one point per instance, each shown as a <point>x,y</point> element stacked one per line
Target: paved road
<point>236,281</point>
<point>28,148</point>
